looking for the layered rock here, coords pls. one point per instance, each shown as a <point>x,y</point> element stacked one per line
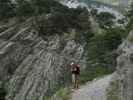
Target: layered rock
<point>33,67</point>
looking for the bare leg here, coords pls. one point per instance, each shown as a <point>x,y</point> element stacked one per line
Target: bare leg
<point>77,82</point>
<point>74,81</point>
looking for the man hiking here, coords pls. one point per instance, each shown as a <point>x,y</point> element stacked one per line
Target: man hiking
<point>75,70</point>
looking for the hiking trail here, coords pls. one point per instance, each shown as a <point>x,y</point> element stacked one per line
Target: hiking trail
<point>95,90</point>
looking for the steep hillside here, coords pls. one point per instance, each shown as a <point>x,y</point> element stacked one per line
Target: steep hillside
<point>37,47</point>
<point>32,67</point>
<point>39,39</point>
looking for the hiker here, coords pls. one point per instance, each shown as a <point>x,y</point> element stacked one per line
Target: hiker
<point>75,70</point>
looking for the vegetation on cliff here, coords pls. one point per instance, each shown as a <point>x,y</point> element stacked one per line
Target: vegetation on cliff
<point>49,17</point>
<point>113,91</point>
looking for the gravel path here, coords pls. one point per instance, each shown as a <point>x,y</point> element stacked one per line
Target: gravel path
<point>96,90</point>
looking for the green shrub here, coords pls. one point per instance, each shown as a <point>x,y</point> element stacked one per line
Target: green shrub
<point>47,98</point>
<point>63,94</point>
<point>2,91</point>
<point>93,72</point>
<point>113,91</point>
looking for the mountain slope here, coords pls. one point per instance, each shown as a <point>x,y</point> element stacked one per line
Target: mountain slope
<point>33,67</point>
<point>35,51</point>
<point>123,3</point>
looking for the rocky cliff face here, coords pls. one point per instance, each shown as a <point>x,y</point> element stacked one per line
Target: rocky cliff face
<point>125,68</point>
<point>32,67</point>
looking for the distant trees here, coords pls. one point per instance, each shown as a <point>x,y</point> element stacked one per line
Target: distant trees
<point>130,17</point>
<point>130,11</point>
<point>105,19</point>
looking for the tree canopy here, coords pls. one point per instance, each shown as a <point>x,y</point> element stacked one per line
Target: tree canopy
<point>6,9</point>
<point>105,19</point>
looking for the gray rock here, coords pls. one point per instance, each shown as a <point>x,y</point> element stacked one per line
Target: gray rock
<point>125,69</point>
<point>34,67</point>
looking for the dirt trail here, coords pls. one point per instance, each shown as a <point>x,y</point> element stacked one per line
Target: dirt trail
<point>96,90</point>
